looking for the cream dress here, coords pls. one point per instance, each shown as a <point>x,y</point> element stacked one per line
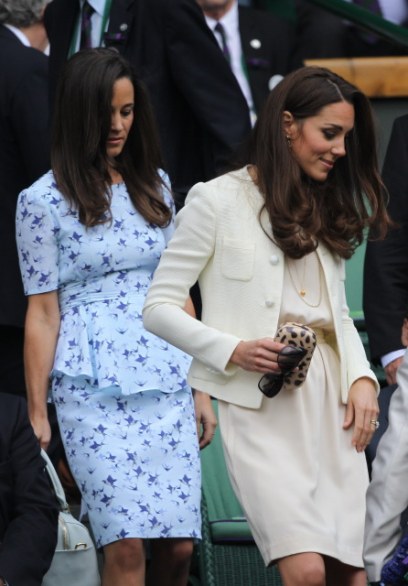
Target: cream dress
<point>300,481</point>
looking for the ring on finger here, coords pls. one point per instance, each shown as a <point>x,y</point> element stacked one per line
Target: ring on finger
<point>375,423</point>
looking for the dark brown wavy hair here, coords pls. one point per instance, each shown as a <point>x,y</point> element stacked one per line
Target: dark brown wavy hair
<point>81,126</point>
<point>302,211</point>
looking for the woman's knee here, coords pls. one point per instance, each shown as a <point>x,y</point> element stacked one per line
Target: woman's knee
<point>125,553</point>
<point>174,551</point>
<point>313,575</point>
<point>306,569</point>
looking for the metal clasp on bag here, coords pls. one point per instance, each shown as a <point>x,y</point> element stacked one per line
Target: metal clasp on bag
<point>65,538</point>
<point>81,546</point>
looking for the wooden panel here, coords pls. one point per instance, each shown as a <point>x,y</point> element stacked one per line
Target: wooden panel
<point>375,76</point>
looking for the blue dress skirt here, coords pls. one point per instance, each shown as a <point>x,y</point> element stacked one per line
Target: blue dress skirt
<point>135,458</point>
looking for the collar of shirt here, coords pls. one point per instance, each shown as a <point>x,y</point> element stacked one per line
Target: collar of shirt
<point>230,22</point>
<point>97,20</point>
<point>97,5</point>
<point>19,34</point>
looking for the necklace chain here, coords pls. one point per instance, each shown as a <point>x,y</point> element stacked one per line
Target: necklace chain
<point>300,287</point>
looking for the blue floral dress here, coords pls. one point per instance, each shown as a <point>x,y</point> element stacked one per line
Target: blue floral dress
<point>125,410</point>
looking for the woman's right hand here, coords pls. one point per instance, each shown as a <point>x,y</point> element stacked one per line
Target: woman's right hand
<point>42,429</point>
<point>257,355</point>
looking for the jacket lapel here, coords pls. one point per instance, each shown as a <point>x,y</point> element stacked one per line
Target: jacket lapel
<point>121,22</point>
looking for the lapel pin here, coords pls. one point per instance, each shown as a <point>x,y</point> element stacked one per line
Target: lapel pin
<point>123,27</point>
<point>255,43</point>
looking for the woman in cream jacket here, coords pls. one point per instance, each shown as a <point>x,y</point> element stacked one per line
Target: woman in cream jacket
<point>267,243</point>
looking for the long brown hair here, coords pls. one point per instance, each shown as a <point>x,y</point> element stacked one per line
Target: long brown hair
<point>81,125</point>
<point>303,211</point>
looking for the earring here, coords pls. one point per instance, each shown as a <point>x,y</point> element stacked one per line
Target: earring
<point>289,141</point>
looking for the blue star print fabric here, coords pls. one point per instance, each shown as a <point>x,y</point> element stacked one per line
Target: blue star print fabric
<point>102,275</point>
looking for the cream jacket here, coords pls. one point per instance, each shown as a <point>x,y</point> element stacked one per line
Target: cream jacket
<point>219,242</point>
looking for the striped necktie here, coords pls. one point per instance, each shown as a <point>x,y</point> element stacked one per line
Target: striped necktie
<point>86,26</point>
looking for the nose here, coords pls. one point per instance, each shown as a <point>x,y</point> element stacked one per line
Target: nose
<point>339,149</point>
<point>116,123</point>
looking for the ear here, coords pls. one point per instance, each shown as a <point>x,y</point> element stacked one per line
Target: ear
<point>288,123</point>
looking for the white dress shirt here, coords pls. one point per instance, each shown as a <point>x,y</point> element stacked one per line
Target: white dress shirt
<point>19,34</point>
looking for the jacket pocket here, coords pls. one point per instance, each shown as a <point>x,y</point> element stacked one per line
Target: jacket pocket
<point>237,259</point>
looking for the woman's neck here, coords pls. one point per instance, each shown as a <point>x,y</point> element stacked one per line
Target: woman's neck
<point>115,176</point>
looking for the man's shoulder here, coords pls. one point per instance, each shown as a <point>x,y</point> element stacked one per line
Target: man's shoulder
<point>401,121</point>
<point>18,59</point>
<point>262,18</point>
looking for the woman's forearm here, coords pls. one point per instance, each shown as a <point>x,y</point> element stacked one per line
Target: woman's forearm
<point>41,334</point>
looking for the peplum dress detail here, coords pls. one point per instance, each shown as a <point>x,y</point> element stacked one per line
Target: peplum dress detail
<point>125,409</point>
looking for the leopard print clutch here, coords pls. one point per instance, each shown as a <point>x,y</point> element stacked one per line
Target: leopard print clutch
<point>298,335</point>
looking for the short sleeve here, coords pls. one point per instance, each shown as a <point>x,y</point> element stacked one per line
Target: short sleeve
<point>37,244</point>
<point>169,201</point>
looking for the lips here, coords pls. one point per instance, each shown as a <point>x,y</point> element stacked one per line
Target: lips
<point>328,164</point>
<point>115,140</point>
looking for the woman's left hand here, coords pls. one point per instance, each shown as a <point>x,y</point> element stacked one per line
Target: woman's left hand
<point>362,409</point>
<point>205,418</point>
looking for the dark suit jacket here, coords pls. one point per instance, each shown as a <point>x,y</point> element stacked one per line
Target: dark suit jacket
<point>385,298</point>
<point>24,154</point>
<point>200,110</point>
<point>28,509</point>
<point>271,55</point>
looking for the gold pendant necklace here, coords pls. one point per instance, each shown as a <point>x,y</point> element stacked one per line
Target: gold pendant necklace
<point>299,284</point>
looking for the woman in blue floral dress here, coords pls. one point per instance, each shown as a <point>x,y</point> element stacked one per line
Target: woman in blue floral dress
<point>90,234</point>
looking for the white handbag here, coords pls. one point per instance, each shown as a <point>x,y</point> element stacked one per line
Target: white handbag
<point>75,559</point>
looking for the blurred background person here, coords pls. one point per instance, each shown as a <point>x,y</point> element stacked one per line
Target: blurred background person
<point>385,553</point>
<point>28,507</point>
<point>384,399</point>
<point>257,44</point>
<point>24,156</point>
<point>323,35</point>
<point>385,291</point>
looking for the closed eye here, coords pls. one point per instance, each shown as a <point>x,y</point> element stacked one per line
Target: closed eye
<point>127,112</point>
<point>330,134</point>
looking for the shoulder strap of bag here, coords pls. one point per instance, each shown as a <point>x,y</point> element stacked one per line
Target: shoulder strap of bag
<point>56,483</point>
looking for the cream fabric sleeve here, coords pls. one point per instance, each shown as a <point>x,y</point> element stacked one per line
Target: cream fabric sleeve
<point>189,251</point>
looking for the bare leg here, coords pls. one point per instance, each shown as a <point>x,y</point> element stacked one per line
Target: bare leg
<point>124,563</point>
<point>170,563</point>
<point>312,569</point>
<point>303,569</point>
